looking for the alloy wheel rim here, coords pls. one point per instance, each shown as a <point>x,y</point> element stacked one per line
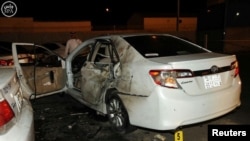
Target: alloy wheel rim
<point>116,113</point>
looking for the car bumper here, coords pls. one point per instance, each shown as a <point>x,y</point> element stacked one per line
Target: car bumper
<point>23,129</point>
<point>168,109</point>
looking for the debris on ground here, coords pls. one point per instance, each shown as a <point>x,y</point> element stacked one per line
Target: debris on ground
<point>159,137</point>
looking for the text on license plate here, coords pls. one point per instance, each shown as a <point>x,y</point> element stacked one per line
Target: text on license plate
<point>211,81</point>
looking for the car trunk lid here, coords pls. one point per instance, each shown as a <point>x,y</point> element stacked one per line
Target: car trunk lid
<point>210,71</point>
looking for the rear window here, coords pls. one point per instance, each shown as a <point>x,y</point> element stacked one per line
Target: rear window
<point>160,46</point>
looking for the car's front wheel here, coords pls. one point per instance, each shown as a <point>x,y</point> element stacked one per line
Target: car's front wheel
<point>117,114</point>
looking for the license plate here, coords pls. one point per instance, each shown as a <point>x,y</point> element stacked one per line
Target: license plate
<point>211,81</point>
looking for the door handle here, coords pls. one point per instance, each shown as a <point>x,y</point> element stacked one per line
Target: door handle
<point>51,76</point>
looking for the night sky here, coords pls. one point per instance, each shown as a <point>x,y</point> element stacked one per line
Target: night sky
<point>95,10</point>
<point>121,10</point>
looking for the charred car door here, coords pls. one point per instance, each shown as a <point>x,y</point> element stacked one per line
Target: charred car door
<point>98,73</point>
<point>43,73</point>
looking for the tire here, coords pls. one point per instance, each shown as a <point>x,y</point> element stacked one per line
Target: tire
<point>117,114</point>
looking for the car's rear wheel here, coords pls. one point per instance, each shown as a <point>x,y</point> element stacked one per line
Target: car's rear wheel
<point>117,114</point>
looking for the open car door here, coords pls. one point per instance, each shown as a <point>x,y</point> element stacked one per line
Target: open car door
<point>39,69</point>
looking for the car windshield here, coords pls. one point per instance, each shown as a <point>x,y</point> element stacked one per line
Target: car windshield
<point>160,46</point>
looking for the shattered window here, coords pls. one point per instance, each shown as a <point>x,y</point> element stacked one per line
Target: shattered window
<point>80,58</point>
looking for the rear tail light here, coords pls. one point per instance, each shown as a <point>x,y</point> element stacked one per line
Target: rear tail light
<point>167,78</point>
<point>6,114</point>
<point>10,62</point>
<point>3,63</point>
<point>235,67</point>
<point>6,63</point>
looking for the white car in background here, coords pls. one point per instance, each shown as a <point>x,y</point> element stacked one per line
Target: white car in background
<point>57,47</point>
<point>155,81</point>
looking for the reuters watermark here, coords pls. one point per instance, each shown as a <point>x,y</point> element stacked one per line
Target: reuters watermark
<point>226,132</point>
<point>9,9</point>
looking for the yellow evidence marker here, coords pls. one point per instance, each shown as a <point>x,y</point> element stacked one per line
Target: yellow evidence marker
<point>178,135</point>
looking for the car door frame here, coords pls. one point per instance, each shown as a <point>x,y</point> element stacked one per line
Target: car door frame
<point>103,70</point>
<point>71,90</point>
<point>28,92</point>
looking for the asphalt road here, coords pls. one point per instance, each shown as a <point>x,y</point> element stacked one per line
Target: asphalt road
<point>61,118</point>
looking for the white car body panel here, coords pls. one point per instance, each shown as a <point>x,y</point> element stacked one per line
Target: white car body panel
<point>173,105</point>
<point>147,109</point>
<point>23,130</point>
<point>22,125</point>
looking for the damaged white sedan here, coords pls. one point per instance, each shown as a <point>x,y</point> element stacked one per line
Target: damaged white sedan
<point>155,81</point>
